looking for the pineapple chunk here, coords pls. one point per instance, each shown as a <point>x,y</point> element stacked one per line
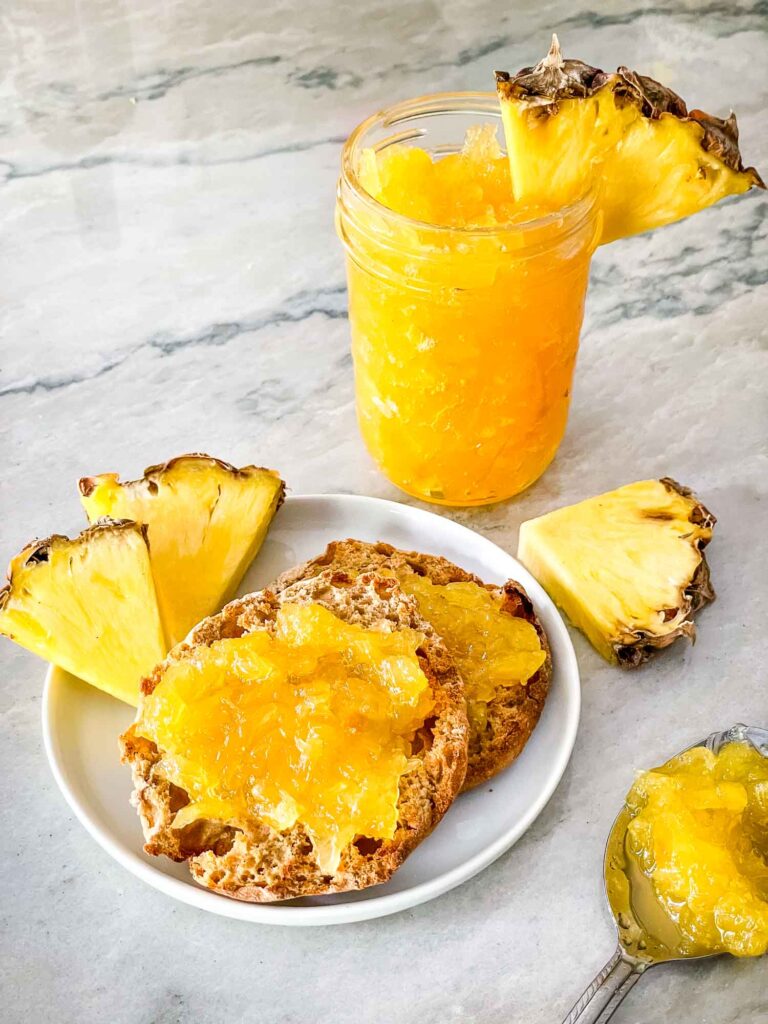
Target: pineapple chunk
<point>206,521</point>
<point>88,605</point>
<point>626,567</point>
<point>568,125</point>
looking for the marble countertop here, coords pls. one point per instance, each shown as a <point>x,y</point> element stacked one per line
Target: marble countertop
<point>171,282</point>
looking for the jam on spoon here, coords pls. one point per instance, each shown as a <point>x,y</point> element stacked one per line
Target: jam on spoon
<point>686,865</point>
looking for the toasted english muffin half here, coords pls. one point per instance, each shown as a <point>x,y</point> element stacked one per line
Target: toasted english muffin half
<point>514,711</point>
<point>256,862</point>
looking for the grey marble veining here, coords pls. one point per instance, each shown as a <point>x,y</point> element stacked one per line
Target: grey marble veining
<point>170,281</point>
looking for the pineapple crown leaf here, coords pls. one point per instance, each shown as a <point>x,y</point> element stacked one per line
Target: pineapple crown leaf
<point>554,58</point>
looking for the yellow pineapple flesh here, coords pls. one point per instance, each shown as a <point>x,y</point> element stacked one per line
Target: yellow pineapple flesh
<point>206,522</point>
<point>569,126</point>
<point>88,605</point>
<point>627,567</point>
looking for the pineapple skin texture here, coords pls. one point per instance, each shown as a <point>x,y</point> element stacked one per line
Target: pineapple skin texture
<point>571,127</point>
<point>624,566</point>
<point>206,521</point>
<point>89,606</point>
<point>649,172</point>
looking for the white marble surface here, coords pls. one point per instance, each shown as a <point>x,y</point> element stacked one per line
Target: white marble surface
<point>171,281</point>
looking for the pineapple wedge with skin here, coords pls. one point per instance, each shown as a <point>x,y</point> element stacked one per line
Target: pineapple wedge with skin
<point>88,605</point>
<point>569,125</point>
<point>206,522</point>
<point>627,567</point>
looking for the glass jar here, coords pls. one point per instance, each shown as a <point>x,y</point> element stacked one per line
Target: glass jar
<point>464,340</point>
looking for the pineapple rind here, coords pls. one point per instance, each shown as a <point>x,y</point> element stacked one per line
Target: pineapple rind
<point>627,567</point>
<point>88,605</point>
<point>206,521</point>
<point>567,123</point>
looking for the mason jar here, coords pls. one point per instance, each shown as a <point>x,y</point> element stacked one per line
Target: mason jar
<point>464,340</point>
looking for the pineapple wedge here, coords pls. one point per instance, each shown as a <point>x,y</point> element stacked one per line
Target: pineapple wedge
<point>206,521</point>
<point>568,124</point>
<point>88,605</point>
<point>626,567</point>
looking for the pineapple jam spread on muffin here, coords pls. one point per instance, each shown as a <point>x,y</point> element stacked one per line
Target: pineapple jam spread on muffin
<point>300,743</point>
<point>492,633</point>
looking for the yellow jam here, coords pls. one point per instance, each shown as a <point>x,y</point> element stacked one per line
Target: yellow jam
<point>464,344</point>
<point>313,724</point>
<point>492,649</point>
<point>470,189</point>
<point>698,832</point>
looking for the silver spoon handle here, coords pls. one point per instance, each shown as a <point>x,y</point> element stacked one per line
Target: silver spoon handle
<point>602,996</point>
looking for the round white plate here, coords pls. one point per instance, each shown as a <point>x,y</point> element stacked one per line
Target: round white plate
<point>81,726</point>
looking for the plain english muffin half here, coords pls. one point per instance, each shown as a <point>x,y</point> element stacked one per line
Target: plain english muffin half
<point>255,862</point>
<point>497,739</point>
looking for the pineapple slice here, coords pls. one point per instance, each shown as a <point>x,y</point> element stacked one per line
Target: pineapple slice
<point>88,605</point>
<point>568,124</point>
<point>626,567</point>
<point>206,522</point>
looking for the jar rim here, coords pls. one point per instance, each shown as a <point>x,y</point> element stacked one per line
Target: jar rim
<point>484,104</point>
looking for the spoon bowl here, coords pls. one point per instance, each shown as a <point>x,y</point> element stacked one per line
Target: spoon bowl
<point>646,935</point>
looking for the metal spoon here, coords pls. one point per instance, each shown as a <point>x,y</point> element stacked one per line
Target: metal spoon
<point>637,948</point>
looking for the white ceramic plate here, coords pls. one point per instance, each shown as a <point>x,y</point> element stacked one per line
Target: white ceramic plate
<point>81,726</point>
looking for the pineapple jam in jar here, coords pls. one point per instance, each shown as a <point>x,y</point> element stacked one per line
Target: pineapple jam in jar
<point>464,308</point>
